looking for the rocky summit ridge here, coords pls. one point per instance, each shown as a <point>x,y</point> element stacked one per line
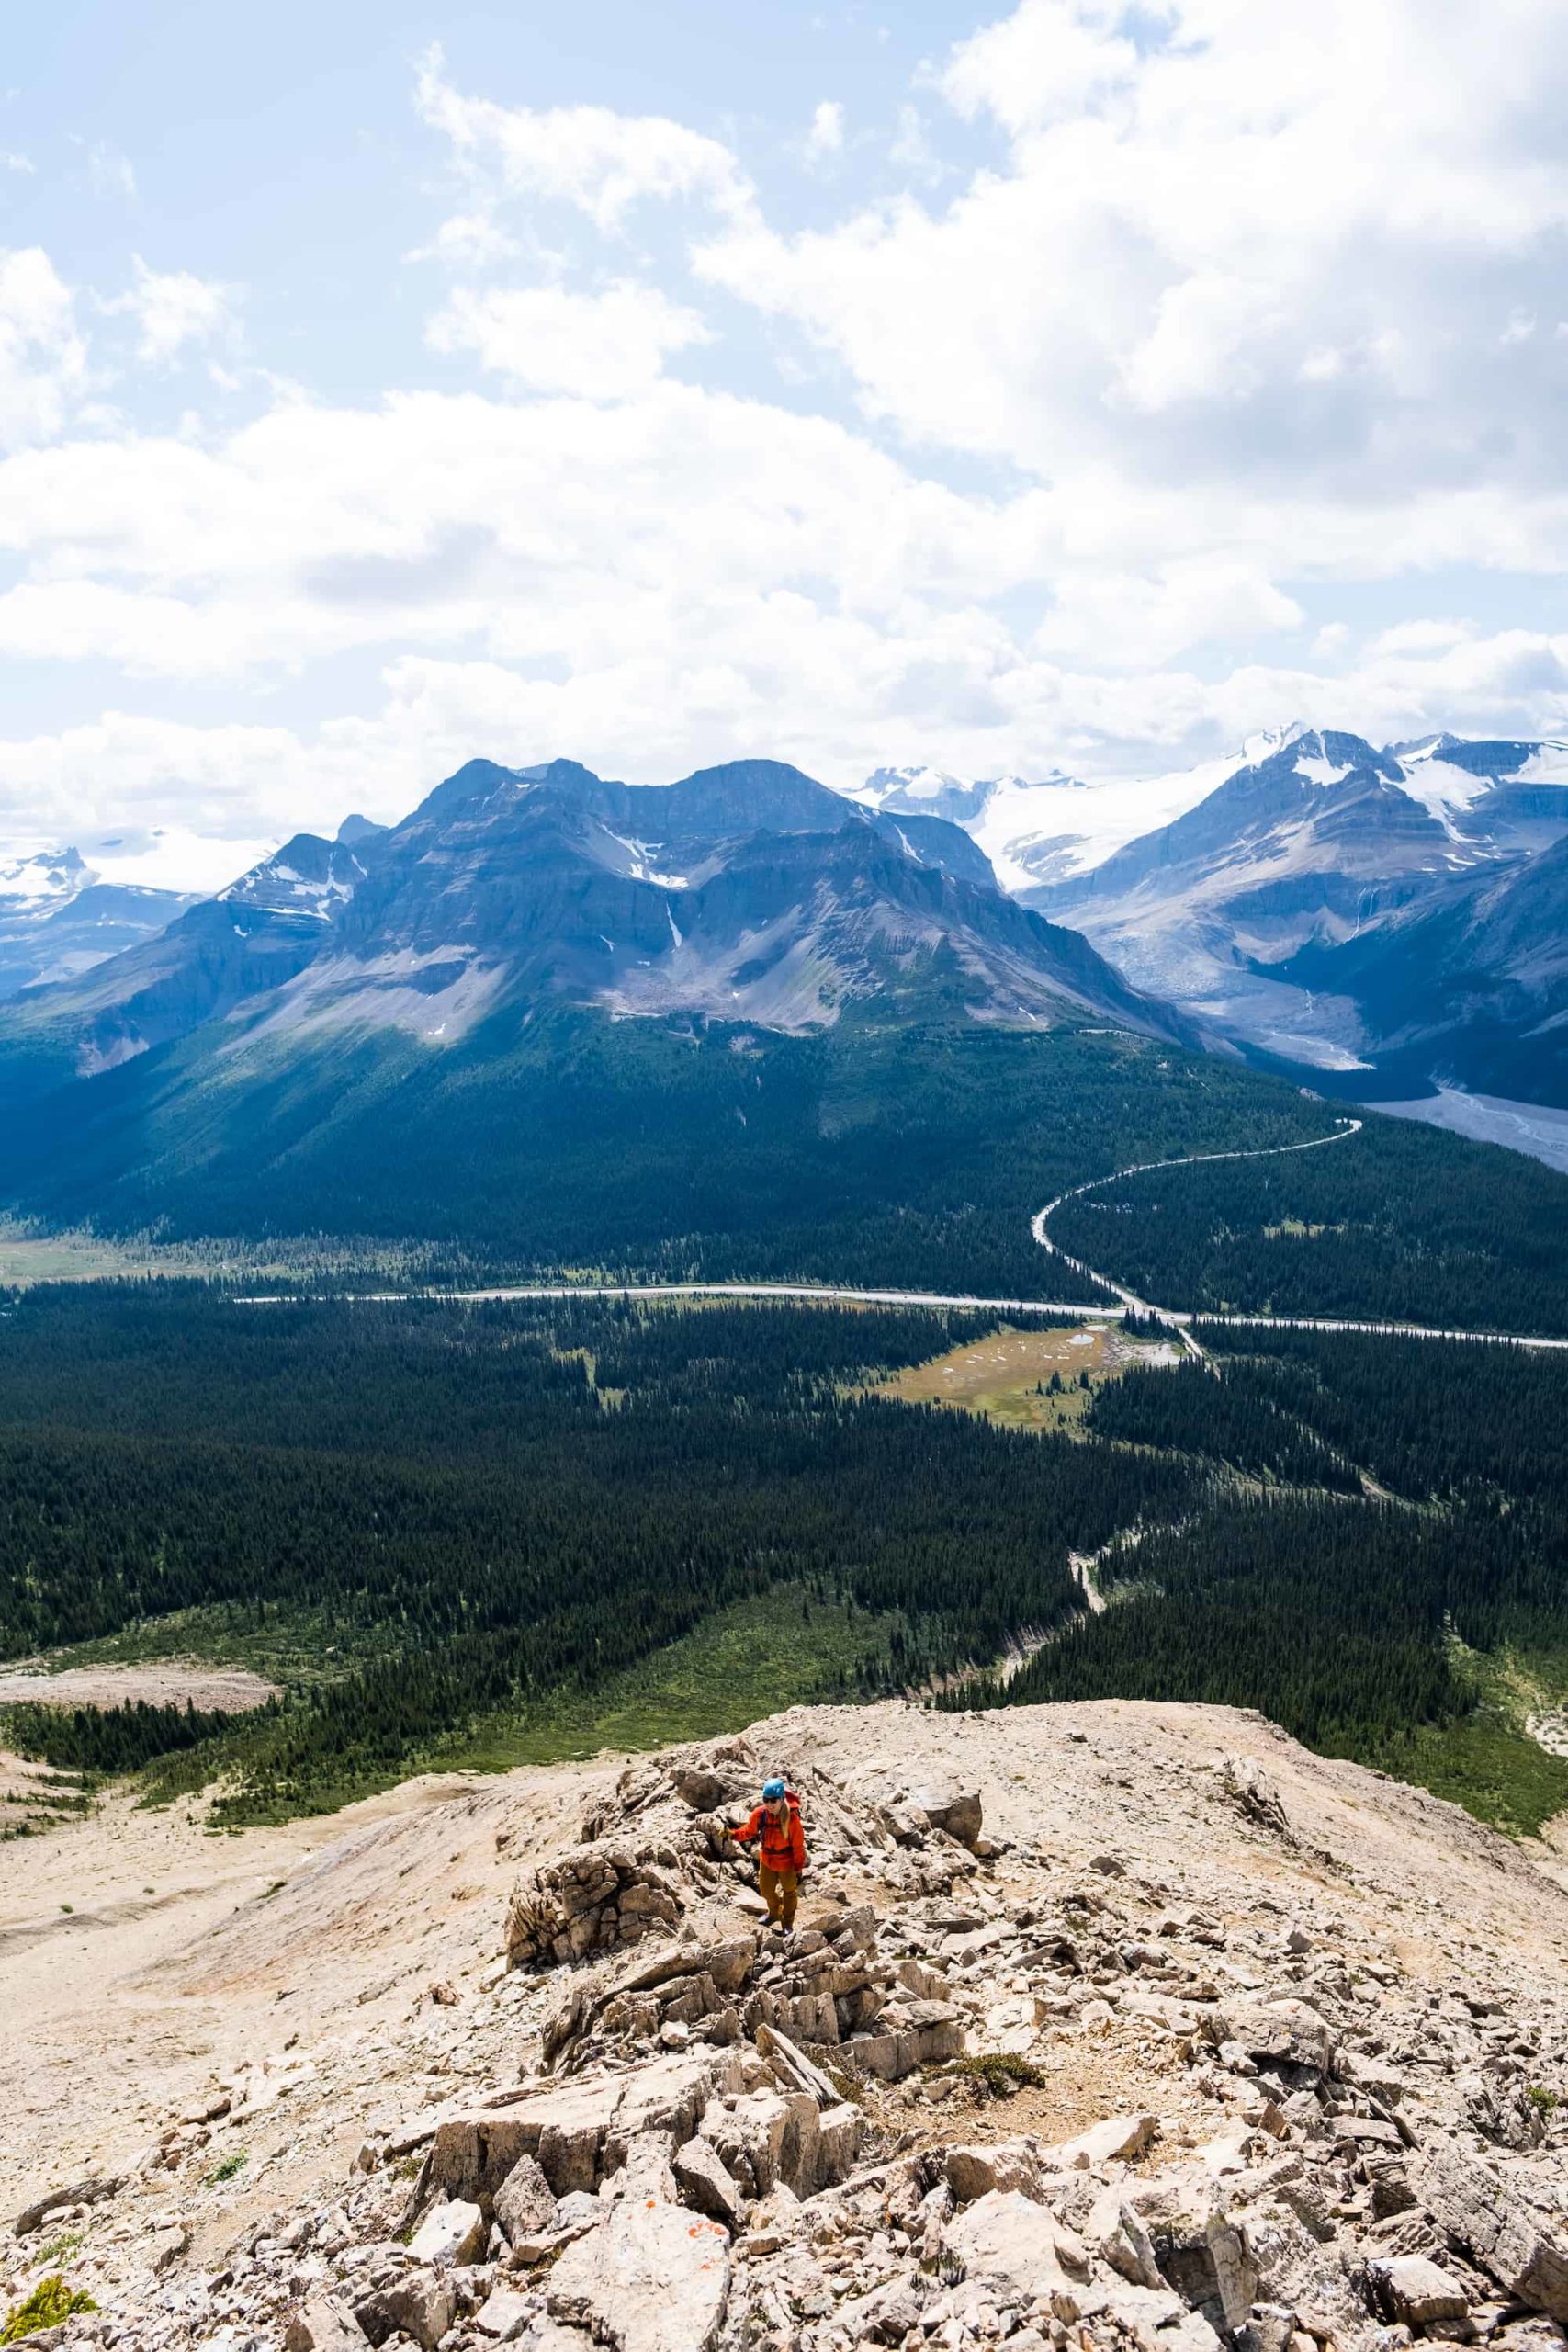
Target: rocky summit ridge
<point>1109,2028</point>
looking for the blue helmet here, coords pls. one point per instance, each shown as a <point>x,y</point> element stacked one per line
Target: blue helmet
<point>772,1791</point>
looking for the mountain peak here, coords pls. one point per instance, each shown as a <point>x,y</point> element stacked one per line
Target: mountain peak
<point>475,780</point>
<point>755,796</point>
<point>356,829</point>
<point>1268,740</point>
<point>560,775</point>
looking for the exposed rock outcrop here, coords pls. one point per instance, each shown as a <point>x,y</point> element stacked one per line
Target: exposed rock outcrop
<point>991,2092</point>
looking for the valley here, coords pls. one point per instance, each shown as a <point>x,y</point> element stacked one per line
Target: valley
<point>594,1200</point>
<point>568,1338</point>
<point>445,1357</point>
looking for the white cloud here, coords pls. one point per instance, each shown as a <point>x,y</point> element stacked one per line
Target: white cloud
<point>172,307</point>
<point>42,359</point>
<point>826,135</point>
<point>602,346</point>
<point>110,172</point>
<point>1045,63</point>
<point>1250,250</point>
<point>602,162</point>
<point>1232,314</point>
<point>1135,620</point>
<point>18,162</point>
<point>911,149</point>
<point>468,241</point>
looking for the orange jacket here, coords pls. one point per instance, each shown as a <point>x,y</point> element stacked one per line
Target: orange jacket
<point>783,1841</point>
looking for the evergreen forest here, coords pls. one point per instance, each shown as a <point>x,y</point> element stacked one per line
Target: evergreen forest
<point>439,1526</point>
<point>880,1151</point>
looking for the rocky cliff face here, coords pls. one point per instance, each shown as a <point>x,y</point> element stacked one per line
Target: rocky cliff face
<point>747,892</point>
<point>1104,2027</point>
<point>1469,985</point>
<point>1202,888</point>
<point>1324,839</point>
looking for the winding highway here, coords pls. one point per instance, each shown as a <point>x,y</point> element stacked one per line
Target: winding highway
<point>1131,1303</point>
<point>1178,1320</point>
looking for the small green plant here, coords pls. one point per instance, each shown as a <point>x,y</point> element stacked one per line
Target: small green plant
<point>51,2301</point>
<point>1538,2095</point>
<point>68,1908</point>
<point>61,2248</point>
<point>847,2082</point>
<point>1002,2072</point>
<point>228,2168</point>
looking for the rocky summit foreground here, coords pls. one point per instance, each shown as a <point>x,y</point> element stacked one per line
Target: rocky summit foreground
<point>1112,2025</point>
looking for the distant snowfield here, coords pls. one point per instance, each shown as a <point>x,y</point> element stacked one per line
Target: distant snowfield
<point>35,873</point>
<point>1088,821</point>
<point>1530,1127</point>
<point>172,859</point>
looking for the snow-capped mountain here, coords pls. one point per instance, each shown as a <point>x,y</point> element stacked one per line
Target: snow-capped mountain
<point>748,892</point>
<point>1201,887</point>
<point>65,910</point>
<point>1467,985</point>
<point>59,917</point>
<point>1036,833</point>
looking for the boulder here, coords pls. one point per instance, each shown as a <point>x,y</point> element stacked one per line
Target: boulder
<point>729,1961</point>
<point>975,2172</point>
<point>576,2132</point>
<point>1252,1793</point>
<point>704,2181</point>
<point>455,2231</point>
<point>794,2065</point>
<point>1412,2290</point>
<point>1006,2235</point>
<point>422,2305</point>
<point>945,1807</point>
<point>92,2191</point>
<point>324,2324</point>
<point>1524,2252</point>
<point>645,2169</point>
<point>1286,2031</point>
<point>1115,2228</point>
<point>778,2218</point>
<point>525,2203</point>
<point>887,2313</point>
<point>654,2279</point>
<point>840,2132</point>
<point>590,1898</point>
<point>707,1790</point>
<point>755,2137</point>
<point>505,2316</point>
<point>1119,2136</point>
<point>909,2034</point>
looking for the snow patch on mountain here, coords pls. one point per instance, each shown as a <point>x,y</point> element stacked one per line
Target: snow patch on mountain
<point>1062,827</point>
<point>1548,763</point>
<point>1442,789</point>
<point>41,878</point>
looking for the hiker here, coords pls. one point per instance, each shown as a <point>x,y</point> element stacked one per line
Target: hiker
<point>782,1858</point>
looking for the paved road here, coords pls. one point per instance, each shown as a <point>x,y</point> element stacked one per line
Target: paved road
<point>818,1293</point>
<point>1344,1129</point>
<point>1179,1320</point>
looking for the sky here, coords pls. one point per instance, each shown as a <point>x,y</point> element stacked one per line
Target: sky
<point>1072,388</point>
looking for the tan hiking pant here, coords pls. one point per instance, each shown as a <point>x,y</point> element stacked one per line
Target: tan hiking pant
<point>780,1892</point>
